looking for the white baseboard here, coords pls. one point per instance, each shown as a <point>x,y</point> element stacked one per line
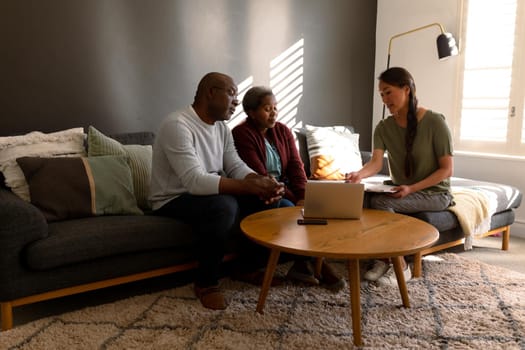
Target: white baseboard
<point>517,229</point>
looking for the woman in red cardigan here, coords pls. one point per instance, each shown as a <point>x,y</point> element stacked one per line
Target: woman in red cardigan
<point>268,147</point>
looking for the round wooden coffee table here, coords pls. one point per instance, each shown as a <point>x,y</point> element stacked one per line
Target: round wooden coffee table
<point>378,234</point>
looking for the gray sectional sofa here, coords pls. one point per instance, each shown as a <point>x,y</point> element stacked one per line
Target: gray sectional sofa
<point>41,260</point>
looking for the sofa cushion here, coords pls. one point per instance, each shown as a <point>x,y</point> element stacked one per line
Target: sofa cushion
<point>139,157</point>
<point>442,220</point>
<point>502,219</point>
<point>505,196</point>
<point>135,138</point>
<point>79,240</point>
<point>333,151</point>
<point>66,188</point>
<point>68,142</point>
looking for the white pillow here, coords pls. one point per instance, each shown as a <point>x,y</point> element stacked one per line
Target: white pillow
<point>68,142</point>
<point>333,151</point>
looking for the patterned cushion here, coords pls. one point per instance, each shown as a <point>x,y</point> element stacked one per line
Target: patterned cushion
<point>333,151</point>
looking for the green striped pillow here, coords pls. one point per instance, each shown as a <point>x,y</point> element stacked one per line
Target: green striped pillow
<point>139,160</point>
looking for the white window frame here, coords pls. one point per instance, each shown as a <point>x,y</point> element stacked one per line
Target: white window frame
<point>514,145</point>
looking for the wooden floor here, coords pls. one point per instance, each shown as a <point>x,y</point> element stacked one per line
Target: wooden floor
<point>488,250</point>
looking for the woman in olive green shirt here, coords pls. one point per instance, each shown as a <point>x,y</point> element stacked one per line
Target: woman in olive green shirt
<point>419,148</point>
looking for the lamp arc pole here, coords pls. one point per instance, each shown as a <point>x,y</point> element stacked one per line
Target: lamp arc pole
<point>446,44</point>
<point>410,32</point>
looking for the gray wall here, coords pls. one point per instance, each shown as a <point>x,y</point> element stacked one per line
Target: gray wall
<point>123,65</point>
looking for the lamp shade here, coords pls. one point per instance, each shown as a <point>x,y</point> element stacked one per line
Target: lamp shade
<point>446,46</point>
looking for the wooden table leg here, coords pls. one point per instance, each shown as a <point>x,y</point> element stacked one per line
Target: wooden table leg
<point>417,265</point>
<point>268,276</point>
<point>398,268</point>
<point>355,299</point>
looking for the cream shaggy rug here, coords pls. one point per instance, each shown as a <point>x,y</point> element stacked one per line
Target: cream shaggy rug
<point>458,304</point>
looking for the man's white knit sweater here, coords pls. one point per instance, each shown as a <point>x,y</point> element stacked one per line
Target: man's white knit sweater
<point>190,156</point>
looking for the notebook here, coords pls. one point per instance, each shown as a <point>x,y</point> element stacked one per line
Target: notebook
<point>333,200</point>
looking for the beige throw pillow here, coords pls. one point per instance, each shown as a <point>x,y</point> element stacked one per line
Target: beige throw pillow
<point>333,151</point>
<point>68,142</point>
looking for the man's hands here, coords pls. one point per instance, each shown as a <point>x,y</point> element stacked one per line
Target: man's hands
<point>267,188</point>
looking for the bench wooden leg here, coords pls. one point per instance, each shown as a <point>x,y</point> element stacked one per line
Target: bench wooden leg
<point>7,315</point>
<point>505,239</point>
<point>416,273</point>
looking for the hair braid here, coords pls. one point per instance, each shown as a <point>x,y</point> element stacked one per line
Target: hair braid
<point>411,132</point>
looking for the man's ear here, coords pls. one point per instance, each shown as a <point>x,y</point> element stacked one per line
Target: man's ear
<point>210,91</point>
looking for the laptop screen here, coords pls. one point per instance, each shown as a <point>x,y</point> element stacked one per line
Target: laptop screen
<point>333,200</point>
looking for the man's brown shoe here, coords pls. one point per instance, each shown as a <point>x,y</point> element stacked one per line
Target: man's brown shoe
<point>211,297</point>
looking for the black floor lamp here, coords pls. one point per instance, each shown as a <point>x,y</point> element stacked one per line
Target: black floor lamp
<point>446,45</point>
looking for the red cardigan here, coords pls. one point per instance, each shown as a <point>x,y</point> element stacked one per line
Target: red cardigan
<point>251,148</point>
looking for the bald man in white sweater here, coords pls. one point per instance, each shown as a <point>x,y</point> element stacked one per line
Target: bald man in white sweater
<point>196,174</point>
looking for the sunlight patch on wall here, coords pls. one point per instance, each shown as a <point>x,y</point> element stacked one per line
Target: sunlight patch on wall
<point>239,115</point>
<point>286,82</point>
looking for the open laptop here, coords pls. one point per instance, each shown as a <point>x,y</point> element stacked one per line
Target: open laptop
<point>333,200</point>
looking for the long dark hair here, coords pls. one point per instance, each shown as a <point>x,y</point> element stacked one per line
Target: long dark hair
<point>400,77</point>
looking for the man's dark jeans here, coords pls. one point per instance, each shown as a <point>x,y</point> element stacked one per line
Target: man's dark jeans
<point>214,219</point>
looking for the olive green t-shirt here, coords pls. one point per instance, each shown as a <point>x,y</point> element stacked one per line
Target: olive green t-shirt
<point>432,141</point>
